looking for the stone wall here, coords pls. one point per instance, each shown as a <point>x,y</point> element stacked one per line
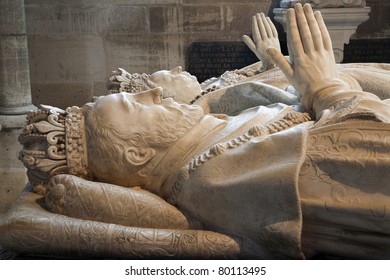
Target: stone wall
<point>378,26</point>
<point>74,44</point>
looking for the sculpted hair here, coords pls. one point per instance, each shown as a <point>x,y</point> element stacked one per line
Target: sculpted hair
<point>107,144</point>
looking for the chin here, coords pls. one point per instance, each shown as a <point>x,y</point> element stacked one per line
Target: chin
<point>194,111</point>
<point>186,95</point>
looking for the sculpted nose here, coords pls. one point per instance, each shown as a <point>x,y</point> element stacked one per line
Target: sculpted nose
<point>152,96</point>
<point>176,70</point>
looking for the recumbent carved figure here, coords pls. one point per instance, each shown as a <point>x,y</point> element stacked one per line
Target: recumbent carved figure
<point>267,182</point>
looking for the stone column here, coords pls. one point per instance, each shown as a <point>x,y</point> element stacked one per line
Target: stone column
<point>341,17</point>
<point>15,98</point>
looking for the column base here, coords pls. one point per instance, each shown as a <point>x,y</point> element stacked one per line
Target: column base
<point>12,121</point>
<point>13,176</point>
<point>14,117</point>
<point>16,110</point>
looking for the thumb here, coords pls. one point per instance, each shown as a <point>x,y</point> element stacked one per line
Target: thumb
<point>277,58</point>
<point>249,42</point>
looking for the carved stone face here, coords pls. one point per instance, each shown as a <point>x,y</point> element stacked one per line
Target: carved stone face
<point>145,110</point>
<point>184,85</point>
<point>128,130</point>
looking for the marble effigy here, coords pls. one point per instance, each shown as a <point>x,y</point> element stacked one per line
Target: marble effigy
<point>285,163</point>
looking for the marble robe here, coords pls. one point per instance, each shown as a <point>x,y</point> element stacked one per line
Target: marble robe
<point>314,188</point>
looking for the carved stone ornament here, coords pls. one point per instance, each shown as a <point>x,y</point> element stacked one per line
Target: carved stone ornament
<point>122,81</point>
<point>59,235</point>
<point>54,143</point>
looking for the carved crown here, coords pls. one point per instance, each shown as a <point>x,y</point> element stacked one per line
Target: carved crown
<point>123,81</point>
<point>54,142</point>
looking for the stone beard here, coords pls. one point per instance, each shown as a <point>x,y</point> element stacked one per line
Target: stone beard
<point>109,141</point>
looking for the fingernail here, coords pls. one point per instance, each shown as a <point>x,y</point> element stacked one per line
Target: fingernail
<point>307,7</point>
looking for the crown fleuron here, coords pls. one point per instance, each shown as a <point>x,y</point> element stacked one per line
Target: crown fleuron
<point>123,81</point>
<point>54,142</point>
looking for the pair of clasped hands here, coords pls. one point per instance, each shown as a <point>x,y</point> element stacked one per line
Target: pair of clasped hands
<point>311,66</point>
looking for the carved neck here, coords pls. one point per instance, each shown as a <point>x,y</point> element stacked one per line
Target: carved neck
<point>169,162</point>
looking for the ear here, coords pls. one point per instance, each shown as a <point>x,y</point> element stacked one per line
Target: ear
<point>156,91</point>
<point>139,156</point>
